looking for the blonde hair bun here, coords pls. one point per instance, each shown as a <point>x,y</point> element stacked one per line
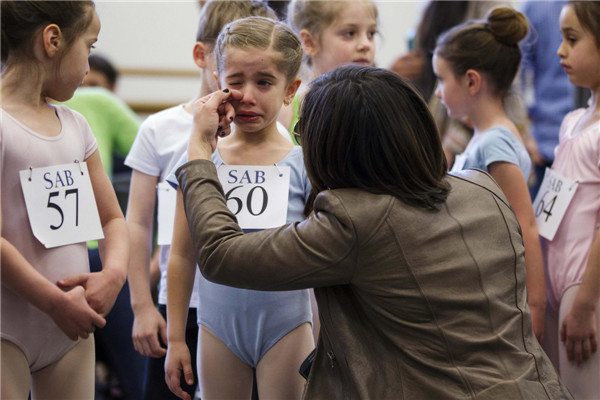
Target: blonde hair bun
<point>507,25</point>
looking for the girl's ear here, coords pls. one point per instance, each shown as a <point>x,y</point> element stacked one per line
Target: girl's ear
<point>310,44</point>
<point>199,54</point>
<point>291,90</point>
<point>473,80</point>
<point>52,40</point>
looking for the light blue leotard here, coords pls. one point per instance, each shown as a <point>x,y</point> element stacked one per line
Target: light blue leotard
<point>250,322</point>
<point>496,144</point>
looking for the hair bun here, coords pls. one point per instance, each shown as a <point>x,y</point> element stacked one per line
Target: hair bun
<point>507,25</point>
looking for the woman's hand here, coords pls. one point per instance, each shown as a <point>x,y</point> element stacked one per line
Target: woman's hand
<point>213,115</point>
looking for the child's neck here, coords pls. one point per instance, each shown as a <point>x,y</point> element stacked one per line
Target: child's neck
<point>254,148</point>
<point>594,103</point>
<point>23,90</point>
<point>489,112</point>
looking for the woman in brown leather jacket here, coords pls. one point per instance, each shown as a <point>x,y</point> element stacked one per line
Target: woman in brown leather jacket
<point>419,275</point>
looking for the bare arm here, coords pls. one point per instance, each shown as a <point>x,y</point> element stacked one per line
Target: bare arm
<point>579,328</point>
<point>148,323</point>
<point>180,281</point>
<point>69,310</point>
<point>510,179</point>
<point>102,287</point>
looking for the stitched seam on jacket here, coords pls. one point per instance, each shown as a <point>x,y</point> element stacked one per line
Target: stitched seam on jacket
<point>356,246</point>
<point>521,311</point>
<point>410,269</point>
<point>483,186</point>
<point>480,280</point>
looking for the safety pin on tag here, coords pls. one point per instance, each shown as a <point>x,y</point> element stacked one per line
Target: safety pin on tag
<point>79,165</point>
<point>278,170</point>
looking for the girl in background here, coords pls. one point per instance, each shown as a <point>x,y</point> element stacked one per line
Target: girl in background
<point>475,64</point>
<point>573,256</point>
<point>50,301</point>
<point>333,33</point>
<point>244,329</point>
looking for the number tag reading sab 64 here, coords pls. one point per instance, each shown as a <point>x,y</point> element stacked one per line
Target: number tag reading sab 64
<point>552,201</point>
<point>60,204</point>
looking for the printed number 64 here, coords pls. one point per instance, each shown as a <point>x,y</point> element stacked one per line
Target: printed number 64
<point>60,211</point>
<point>545,208</point>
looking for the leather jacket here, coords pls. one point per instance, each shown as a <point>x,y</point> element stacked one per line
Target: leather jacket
<point>413,304</point>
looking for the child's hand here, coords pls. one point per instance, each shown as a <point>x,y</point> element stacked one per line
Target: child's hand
<point>147,325</point>
<point>578,331</point>
<point>213,115</point>
<point>101,289</point>
<point>178,362</point>
<point>74,316</point>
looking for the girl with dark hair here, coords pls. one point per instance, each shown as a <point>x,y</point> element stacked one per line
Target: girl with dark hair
<point>419,275</point>
<point>55,196</point>
<point>573,255</point>
<point>476,64</point>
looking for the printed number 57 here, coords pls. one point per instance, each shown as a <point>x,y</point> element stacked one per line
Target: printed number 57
<point>60,211</point>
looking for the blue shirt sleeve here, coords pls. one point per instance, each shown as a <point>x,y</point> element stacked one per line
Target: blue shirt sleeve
<point>171,178</point>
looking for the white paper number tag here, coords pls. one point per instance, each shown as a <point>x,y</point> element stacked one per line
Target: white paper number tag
<point>552,201</point>
<point>60,204</point>
<point>167,200</point>
<point>257,196</point>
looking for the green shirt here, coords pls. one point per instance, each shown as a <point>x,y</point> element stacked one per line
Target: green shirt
<point>113,123</point>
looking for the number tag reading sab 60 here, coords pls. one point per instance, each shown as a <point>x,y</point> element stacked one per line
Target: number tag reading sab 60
<point>257,195</point>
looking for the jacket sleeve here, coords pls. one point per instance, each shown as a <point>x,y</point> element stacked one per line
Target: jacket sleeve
<point>319,251</point>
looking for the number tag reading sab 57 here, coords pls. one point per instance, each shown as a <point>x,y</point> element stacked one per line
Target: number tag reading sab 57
<point>60,204</point>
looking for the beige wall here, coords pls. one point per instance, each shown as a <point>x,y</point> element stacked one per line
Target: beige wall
<point>159,35</point>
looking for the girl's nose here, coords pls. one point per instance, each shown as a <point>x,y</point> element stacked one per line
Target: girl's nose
<point>561,50</point>
<point>365,42</point>
<point>248,95</point>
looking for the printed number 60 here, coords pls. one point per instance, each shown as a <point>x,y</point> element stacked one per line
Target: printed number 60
<point>240,204</point>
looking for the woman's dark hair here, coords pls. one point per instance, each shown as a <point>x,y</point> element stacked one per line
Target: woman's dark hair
<point>366,128</point>
<point>588,14</point>
<point>490,47</point>
<point>20,21</point>
<point>105,67</point>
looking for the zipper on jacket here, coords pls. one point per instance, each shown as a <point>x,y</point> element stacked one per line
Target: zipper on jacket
<point>331,358</point>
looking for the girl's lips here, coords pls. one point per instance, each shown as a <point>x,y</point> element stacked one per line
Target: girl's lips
<point>362,61</point>
<point>566,67</point>
<point>246,116</point>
